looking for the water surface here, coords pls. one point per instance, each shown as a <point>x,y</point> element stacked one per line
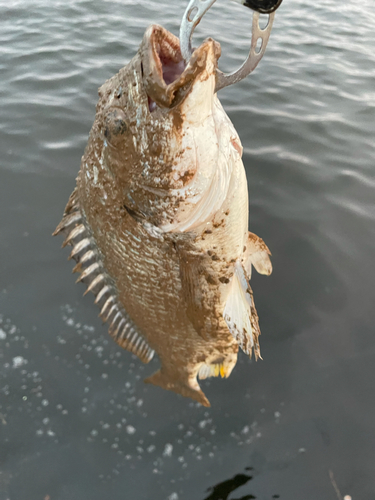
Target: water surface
<point>76,420</point>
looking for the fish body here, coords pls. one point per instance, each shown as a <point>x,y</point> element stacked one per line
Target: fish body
<point>159,218</point>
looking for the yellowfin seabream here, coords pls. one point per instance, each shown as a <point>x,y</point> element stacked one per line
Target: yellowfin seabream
<point>158,221</point>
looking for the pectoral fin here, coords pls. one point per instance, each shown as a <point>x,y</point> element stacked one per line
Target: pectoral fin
<point>257,254</point>
<point>240,313</point>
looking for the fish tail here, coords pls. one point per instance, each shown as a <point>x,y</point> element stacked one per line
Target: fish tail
<point>186,387</point>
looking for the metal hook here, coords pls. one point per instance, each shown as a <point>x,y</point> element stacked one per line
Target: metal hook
<point>193,15</point>
<point>254,57</point>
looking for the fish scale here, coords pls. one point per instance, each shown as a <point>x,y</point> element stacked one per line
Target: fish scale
<point>90,274</point>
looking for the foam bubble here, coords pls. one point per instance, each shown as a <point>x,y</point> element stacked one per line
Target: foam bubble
<point>19,361</point>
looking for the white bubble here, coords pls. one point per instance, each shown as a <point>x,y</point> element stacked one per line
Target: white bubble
<point>19,361</point>
<point>45,402</point>
<point>130,429</point>
<point>3,335</point>
<point>277,414</point>
<point>174,496</point>
<point>45,421</point>
<point>168,449</point>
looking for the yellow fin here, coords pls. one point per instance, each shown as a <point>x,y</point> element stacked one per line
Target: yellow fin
<point>215,370</point>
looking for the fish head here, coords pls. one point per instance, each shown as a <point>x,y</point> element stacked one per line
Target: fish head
<point>155,121</point>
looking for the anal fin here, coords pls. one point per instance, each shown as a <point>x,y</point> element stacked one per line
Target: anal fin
<point>240,314</point>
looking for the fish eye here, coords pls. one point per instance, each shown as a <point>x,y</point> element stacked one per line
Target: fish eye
<point>115,124</point>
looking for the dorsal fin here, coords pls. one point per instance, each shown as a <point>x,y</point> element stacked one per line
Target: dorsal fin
<point>93,273</point>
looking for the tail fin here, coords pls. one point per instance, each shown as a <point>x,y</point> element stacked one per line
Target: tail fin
<point>185,386</point>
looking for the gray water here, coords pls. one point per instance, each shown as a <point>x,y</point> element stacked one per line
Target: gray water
<point>76,420</point>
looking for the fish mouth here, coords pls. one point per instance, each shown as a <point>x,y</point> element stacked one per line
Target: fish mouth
<point>167,78</point>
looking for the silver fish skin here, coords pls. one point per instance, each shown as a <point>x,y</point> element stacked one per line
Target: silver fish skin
<point>158,220</point>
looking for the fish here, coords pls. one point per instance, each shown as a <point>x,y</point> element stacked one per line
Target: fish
<point>158,220</point>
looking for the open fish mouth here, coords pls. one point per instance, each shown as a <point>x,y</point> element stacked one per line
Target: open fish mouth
<point>167,78</point>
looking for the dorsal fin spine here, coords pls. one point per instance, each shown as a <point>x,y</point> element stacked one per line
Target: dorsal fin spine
<point>82,245</point>
<point>95,282</point>
<point>101,294</point>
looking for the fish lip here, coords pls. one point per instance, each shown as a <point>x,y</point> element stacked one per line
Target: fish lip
<point>162,61</point>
